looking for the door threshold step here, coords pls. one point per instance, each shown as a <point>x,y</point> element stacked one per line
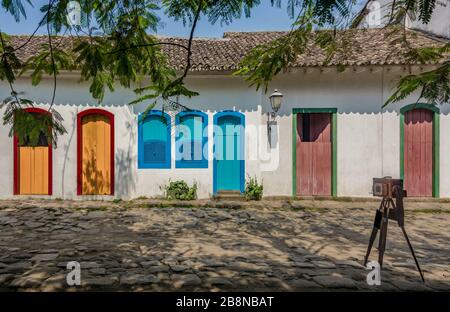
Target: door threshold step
<point>222,198</point>
<point>229,195</point>
<point>229,192</point>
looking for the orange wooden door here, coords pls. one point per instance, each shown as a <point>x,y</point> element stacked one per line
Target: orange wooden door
<point>96,155</point>
<point>33,170</point>
<point>314,154</point>
<point>418,153</point>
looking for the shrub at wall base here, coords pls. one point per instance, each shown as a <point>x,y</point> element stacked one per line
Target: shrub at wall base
<point>253,190</point>
<point>180,190</point>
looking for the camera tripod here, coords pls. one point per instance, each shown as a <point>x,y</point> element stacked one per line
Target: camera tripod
<point>389,210</point>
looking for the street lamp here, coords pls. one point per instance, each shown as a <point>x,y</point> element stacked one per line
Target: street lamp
<point>275,102</point>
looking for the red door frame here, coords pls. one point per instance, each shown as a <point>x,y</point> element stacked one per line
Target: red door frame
<point>80,116</point>
<point>16,156</point>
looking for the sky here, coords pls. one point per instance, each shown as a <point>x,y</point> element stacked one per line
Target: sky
<point>263,17</point>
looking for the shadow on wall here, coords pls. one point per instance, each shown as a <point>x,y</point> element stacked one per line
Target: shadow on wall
<point>66,148</point>
<point>125,162</point>
<point>95,180</point>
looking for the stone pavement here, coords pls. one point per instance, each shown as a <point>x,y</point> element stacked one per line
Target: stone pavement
<point>268,246</point>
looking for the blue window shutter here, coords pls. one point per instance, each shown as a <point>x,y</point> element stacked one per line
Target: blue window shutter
<point>154,141</point>
<point>154,152</point>
<point>191,140</point>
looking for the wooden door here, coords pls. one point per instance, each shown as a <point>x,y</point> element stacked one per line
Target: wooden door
<point>314,152</point>
<point>33,164</point>
<point>33,170</point>
<point>418,153</point>
<point>96,155</point>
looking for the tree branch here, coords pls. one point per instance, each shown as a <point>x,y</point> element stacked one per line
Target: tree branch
<point>50,3</point>
<point>191,38</point>
<point>13,92</point>
<point>33,34</point>
<point>189,49</point>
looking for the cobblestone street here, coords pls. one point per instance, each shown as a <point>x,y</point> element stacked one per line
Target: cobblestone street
<point>295,247</point>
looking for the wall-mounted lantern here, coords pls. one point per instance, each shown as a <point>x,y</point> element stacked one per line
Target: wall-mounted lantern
<point>276,98</point>
<point>275,101</point>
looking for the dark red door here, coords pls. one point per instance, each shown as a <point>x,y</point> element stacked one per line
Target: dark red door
<point>418,153</point>
<point>314,154</point>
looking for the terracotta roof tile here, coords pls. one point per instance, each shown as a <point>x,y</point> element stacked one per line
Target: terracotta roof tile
<point>365,47</point>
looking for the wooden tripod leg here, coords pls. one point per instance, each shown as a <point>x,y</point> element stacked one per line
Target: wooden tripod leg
<point>413,254</point>
<point>373,236</point>
<point>383,233</point>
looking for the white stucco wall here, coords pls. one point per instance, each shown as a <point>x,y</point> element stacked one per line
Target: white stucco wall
<point>367,137</point>
<point>439,24</point>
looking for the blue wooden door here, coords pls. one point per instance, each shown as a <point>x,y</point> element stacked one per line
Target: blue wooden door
<point>229,154</point>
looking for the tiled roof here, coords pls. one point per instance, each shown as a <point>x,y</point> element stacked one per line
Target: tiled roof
<point>364,47</point>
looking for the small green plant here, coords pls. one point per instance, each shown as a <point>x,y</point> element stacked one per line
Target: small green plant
<point>116,200</point>
<point>253,190</point>
<point>180,190</point>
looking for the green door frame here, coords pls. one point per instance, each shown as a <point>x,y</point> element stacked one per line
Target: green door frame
<point>333,112</point>
<point>436,141</point>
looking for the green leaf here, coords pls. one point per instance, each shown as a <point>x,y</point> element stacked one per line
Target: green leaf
<point>15,8</point>
<point>434,86</point>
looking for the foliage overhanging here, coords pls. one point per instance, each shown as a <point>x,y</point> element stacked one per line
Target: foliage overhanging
<point>116,45</point>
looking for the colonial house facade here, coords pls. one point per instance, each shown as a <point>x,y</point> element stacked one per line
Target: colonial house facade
<point>330,137</point>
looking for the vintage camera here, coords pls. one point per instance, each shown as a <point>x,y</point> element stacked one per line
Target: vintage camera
<point>386,187</point>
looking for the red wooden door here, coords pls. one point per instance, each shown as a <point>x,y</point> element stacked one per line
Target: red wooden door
<point>418,153</point>
<point>314,154</point>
